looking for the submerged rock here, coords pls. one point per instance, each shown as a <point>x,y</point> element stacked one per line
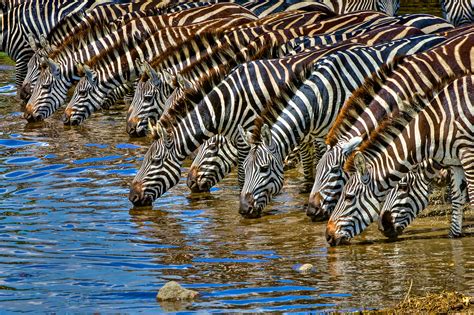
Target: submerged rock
<point>305,268</point>
<point>174,291</point>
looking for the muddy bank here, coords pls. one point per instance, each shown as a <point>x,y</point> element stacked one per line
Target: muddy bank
<point>431,303</point>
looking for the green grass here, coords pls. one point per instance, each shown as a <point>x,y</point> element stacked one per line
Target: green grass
<point>5,60</point>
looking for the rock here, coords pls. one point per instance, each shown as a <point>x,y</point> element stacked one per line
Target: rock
<point>174,291</point>
<point>305,268</point>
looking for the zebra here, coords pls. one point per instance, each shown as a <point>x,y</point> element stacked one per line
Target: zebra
<point>19,19</point>
<point>440,129</point>
<point>46,99</point>
<point>404,202</point>
<point>381,94</point>
<point>99,82</point>
<point>309,113</point>
<point>458,12</point>
<point>69,28</point>
<point>221,111</point>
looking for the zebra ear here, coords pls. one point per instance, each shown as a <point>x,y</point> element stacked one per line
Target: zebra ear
<point>90,74</point>
<point>351,145</point>
<point>155,77</point>
<point>360,164</point>
<point>266,135</point>
<point>168,78</point>
<point>32,42</point>
<point>152,130</point>
<point>183,83</point>
<point>245,135</point>
<point>53,66</point>
<point>45,44</point>
<point>161,132</point>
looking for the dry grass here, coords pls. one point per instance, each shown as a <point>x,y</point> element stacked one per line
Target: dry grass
<point>431,303</point>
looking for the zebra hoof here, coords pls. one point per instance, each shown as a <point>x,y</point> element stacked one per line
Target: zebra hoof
<point>455,235</point>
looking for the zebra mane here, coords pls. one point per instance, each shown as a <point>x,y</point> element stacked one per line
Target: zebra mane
<point>393,124</point>
<point>270,112</point>
<point>186,102</point>
<point>77,33</point>
<point>360,99</point>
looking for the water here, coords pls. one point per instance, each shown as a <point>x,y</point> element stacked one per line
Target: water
<point>69,240</point>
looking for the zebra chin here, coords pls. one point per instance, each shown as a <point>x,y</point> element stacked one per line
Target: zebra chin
<point>197,184</point>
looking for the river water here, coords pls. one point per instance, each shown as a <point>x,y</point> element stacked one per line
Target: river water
<point>70,240</point>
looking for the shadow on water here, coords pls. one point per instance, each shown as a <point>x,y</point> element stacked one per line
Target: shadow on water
<point>70,240</point>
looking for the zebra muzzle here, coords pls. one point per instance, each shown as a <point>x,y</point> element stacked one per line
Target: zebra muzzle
<point>138,197</point>
<point>247,207</point>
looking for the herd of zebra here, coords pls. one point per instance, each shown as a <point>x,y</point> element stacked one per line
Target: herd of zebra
<point>372,104</point>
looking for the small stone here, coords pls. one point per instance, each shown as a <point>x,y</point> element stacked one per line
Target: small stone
<point>305,268</point>
<point>174,291</point>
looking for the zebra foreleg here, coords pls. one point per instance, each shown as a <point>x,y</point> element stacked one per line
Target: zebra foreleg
<point>307,162</point>
<point>458,200</point>
<point>243,150</point>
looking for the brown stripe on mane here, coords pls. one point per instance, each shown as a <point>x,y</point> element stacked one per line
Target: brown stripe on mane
<point>394,124</point>
<point>360,99</point>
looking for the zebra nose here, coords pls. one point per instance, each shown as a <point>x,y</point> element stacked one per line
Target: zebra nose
<point>67,116</point>
<point>30,114</point>
<point>192,180</point>
<point>247,206</point>
<point>132,127</point>
<point>137,195</point>
<point>331,236</point>
<point>387,226</point>
<point>314,209</point>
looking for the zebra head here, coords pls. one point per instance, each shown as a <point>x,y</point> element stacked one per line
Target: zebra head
<point>49,92</point>
<point>356,208</point>
<point>330,179</point>
<point>403,204</point>
<point>214,160</point>
<point>86,99</point>
<point>148,102</point>
<point>160,169</point>
<point>33,69</point>
<point>389,7</point>
<point>263,173</point>
<point>32,75</point>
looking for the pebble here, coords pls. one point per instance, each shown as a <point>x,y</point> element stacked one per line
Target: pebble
<point>174,291</point>
<point>305,268</point>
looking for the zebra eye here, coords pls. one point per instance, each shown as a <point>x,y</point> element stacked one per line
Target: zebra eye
<point>335,169</point>
<point>350,197</point>
<point>264,168</point>
<point>148,97</point>
<point>157,160</point>
<point>403,186</point>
